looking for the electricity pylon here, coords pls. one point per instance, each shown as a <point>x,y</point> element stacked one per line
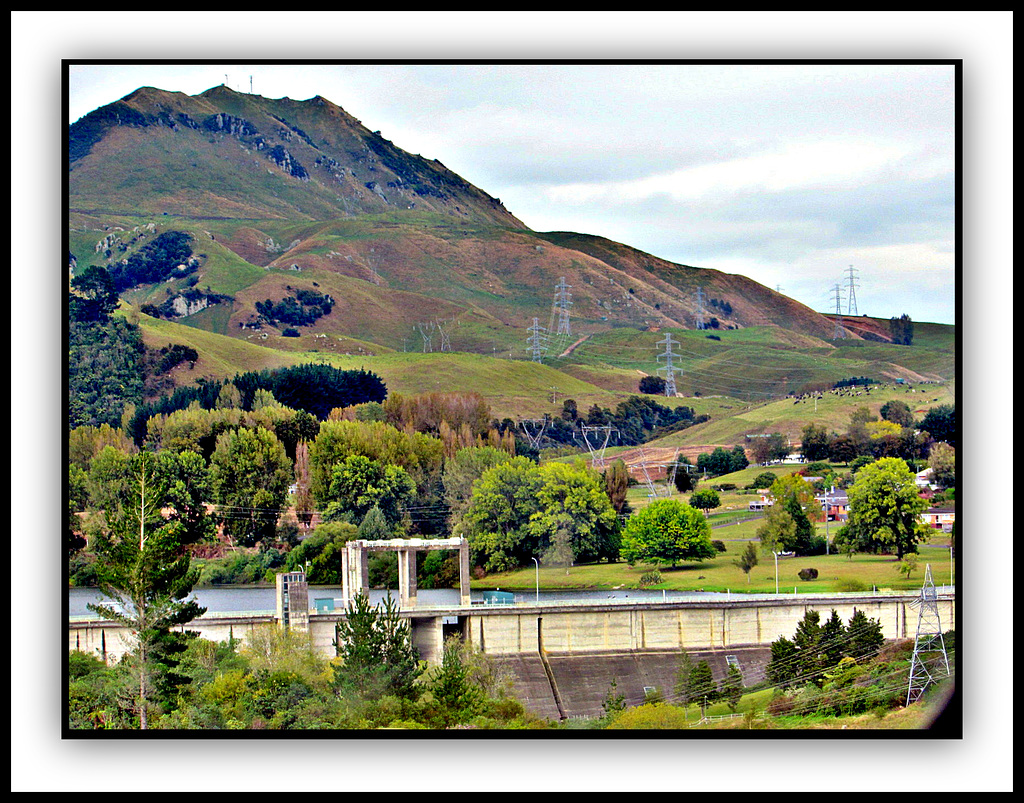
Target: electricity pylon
<point>426,331</point>
<point>700,309</point>
<point>563,300</point>
<point>838,333</point>
<point>597,451</point>
<point>930,662</point>
<point>536,343</point>
<point>669,369</point>
<point>533,428</point>
<point>851,299</point>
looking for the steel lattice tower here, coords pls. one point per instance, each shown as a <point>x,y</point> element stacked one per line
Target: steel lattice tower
<point>851,299</point>
<point>700,308</point>
<point>838,333</point>
<point>669,369</point>
<point>930,662</point>
<point>597,452</point>
<point>536,344</point>
<point>563,300</point>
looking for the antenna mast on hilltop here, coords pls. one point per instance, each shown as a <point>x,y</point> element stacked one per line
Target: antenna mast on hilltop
<point>669,369</point>
<point>851,300</point>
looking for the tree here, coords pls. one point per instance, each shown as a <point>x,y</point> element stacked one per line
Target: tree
<point>814,443</point>
<point>902,330</point>
<point>732,687</point>
<point>93,297</point>
<point>833,640</point>
<point>616,484</point>
<point>653,385</point>
<point>807,642</point>
<point>705,500</point>
<point>940,423</point>
<point>359,484</point>
<point>376,651</point>
<point>519,511</point>
<point>700,685</point>
<point>461,470</point>
<point>747,559</point>
<point>783,668</point>
<point>778,532</point>
<point>898,412</point>
<point>250,473</point>
<point>667,531</point>
<point>942,462</point>
<point>864,634</point>
<point>456,699</point>
<point>144,570</point>
<point>885,509</point>
<point>684,481</point>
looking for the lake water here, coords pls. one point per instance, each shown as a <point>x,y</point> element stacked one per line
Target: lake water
<point>225,599</point>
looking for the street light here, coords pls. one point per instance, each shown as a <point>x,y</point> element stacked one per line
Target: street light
<point>537,569</point>
<point>776,554</point>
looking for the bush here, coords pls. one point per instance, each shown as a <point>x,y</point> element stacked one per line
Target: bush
<point>808,574</point>
<point>651,578</point>
<point>719,545</point>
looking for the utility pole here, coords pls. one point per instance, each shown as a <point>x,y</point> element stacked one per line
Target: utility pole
<point>669,369</point>
<point>929,659</point>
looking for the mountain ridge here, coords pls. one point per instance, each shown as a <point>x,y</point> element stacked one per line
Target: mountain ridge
<point>288,196</point>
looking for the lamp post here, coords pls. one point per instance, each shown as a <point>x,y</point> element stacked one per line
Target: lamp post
<point>537,570</point>
<point>776,554</point>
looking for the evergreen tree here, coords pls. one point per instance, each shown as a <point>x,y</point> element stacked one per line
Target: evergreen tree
<point>456,698</point>
<point>865,635</point>
<point>700,686</point>
<point>732,687</point>
<point>783,667</point>
<point>807,641</point>
<point>833,640</point>
<point>378,657</point>
<point>144,570</point>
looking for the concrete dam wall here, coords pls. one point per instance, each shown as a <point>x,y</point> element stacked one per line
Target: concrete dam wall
<point>562,658</point>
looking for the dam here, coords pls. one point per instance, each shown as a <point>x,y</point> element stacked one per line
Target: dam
<point>561,656</point>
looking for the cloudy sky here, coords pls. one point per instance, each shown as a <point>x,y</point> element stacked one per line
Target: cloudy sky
<point>790,174</point>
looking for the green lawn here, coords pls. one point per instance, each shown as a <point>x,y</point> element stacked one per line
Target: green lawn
<point>835,572</point>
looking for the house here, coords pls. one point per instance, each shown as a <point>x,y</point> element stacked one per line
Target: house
<point>923,479</point>
<point>763,503</point>
<point>940,518</point>
<point>835,503</point>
